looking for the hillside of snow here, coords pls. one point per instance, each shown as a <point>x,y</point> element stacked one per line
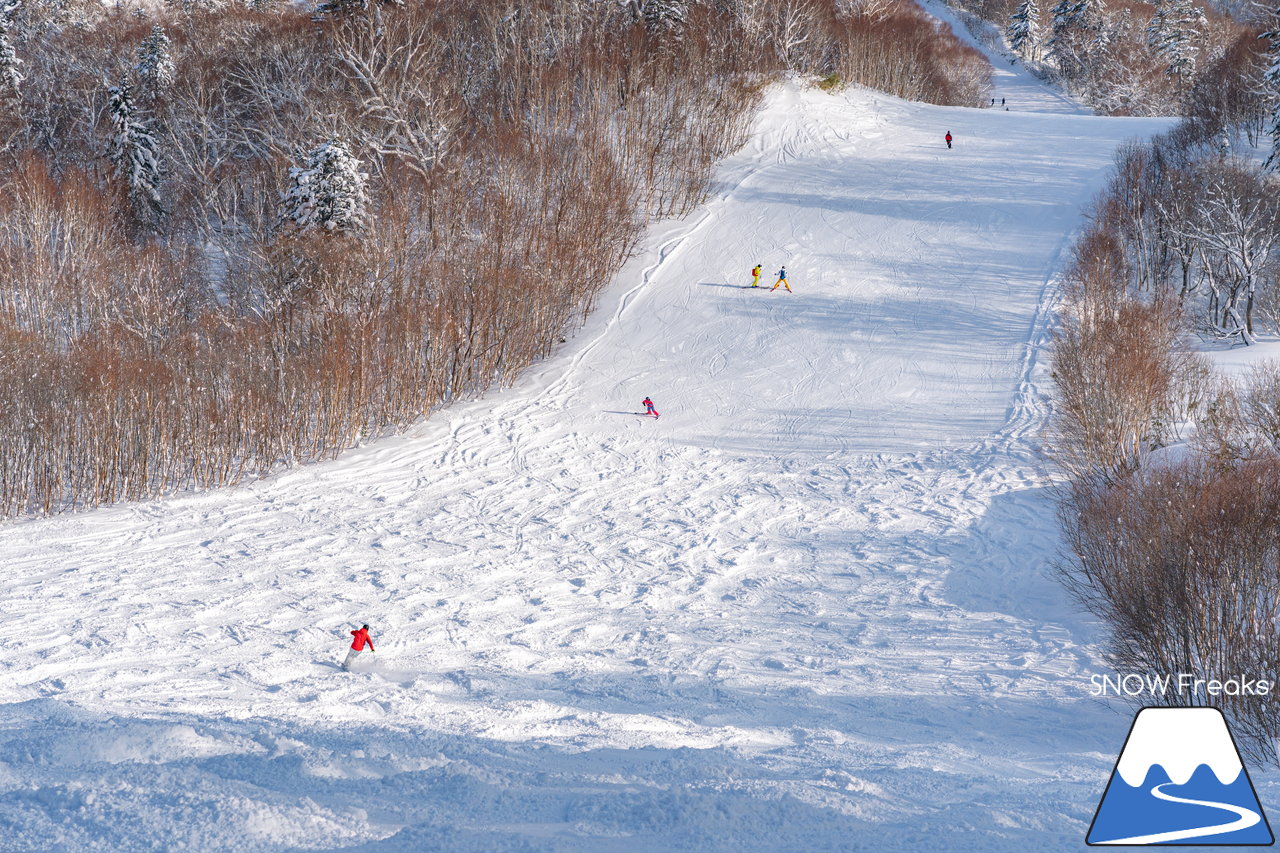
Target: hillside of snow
<point>810,608</point>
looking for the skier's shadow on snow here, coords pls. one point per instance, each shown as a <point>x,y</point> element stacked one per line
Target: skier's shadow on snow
<point>611,412</point>
<point>722,284</point>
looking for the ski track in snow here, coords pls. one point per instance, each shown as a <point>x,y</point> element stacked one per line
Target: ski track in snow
<point>809,609</point>
<point>1245,818</point>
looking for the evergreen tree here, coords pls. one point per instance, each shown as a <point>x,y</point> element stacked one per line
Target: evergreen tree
<point>10,77</point>
<point>134,152</point>
<point>191,6</point>
<point>1075,31</point>
<point>155,63</point>
<point>1024,29</point>
<point>328,192</point>
<point>1174,34</point>
<point>342,8</point>
<point>1104,33</point>
<point>665,16</point>
<point>1271,91</point>
<point>1065,18</point>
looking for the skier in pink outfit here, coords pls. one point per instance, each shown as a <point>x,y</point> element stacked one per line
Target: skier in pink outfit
<point>648,407</point>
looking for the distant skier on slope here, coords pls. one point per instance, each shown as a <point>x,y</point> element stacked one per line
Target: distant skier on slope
<point>782,280</point>
<point>357,646</point>
<point>755,275</point>
<point>648,407</point>
<point>948,139</point>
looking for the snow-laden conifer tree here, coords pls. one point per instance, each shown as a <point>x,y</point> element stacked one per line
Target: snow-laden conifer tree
<point>340,8</point>
<point>1024,29</point>
<point>665,16</point>
<point>155,63</point>
<point>1073,34</point>
<point>10,76</point>
<point>1271,91</point>
<point>133,152</point>
<point>1175,34</point>
<point>328,192</point>
<point>1063,16</point>
<point>191,6</point>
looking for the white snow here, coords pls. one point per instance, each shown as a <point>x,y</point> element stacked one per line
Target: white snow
<point>1179,740</point>
<point>811,608</point>
<point>1237,360</point>
<point>1013,83</point>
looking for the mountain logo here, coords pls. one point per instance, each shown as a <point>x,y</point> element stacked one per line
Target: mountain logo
<point>1180,780</point>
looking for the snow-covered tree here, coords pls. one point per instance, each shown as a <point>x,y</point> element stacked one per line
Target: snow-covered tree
<point>155,63</point>
<point>1064,20</point>
<point>328,192</point>
<point>10,76</point>
<point>1064,16</point>
<point>1024,29</point>
<point>341,8</point>
<point>1271,91</point>
<point>134,152</point>
<point>1076,27</point>
<point>665,16</point>
<point>1175,34</point>
<point>1105,31</point>
<point>1236,227</point>
<point>190,6</point>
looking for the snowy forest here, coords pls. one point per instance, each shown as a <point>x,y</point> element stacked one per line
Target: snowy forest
<point>1171,509</point>
<point>240,235</point>
<point>1170,57</point>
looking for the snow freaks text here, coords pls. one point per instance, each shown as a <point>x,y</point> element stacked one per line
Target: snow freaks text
<point>1179,684</point>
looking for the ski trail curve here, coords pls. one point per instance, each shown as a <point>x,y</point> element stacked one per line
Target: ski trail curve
<point>1245,818</point>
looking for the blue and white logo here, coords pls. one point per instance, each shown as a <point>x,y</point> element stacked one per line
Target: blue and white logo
<point>1180,780</point>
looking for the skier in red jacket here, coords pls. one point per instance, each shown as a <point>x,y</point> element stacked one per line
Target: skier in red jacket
<point>948,139</point>
<point>648,407</point>
<point>357,646</point>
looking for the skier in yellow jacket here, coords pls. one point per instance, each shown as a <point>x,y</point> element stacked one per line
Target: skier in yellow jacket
<point>755,275</point>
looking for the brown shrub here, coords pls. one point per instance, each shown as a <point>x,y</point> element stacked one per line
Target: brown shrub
<point>1121,387</point>
<point>1180,561</point>
<point>500,147</point>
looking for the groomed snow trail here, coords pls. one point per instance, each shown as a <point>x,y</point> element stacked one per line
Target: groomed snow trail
<point>1011,82</point>
<point>808,609</point>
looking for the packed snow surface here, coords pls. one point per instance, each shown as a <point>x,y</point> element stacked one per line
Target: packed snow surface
<point>810,608</point>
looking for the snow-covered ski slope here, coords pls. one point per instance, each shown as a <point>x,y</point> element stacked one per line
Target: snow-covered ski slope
<point>809,609</point>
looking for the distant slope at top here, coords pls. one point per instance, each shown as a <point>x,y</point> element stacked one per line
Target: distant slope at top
<point>1019,88</point>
